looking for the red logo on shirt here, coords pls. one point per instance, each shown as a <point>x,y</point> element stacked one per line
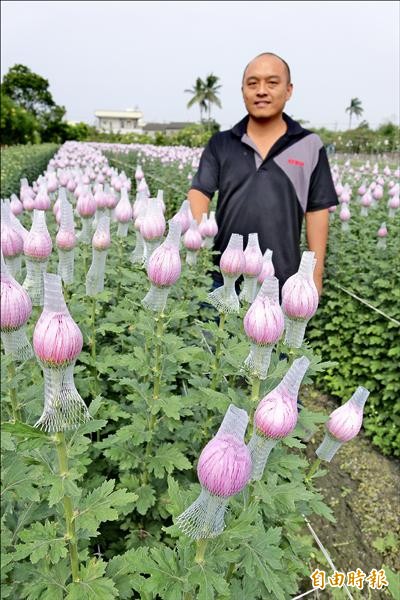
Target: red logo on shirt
<point>298,163</point>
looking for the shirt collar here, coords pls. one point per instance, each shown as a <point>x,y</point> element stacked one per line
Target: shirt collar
<point>293,127</point>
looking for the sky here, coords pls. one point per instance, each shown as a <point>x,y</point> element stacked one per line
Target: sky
<point>118,55</point>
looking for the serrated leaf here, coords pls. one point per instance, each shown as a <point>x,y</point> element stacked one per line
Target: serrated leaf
<point>92,585</point>
<point>167,459</point>
<point>102,504</point>
<point>145,498</point>
<point>123,570</point>
<point>41,541</point>
<point>25,431</point>
<point>6,441</point>
<point>210,583</point>
<point>19,479</point>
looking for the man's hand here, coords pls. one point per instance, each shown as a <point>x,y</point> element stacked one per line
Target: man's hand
<point>318,282</point>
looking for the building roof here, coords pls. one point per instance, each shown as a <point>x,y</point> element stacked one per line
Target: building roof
<point>165,126</point>
<point>119,114</point>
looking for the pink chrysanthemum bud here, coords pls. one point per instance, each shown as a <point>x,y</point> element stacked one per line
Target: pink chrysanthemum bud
<point>66,240</point>
<point>52,183</point>
<point>163,269</point>
<point>267,269</point>
<point>139,173</point>
<point>123,213</point>
<point>153,223</point>
<point>100,244</point>
<point>224,466</point>
<point>378,192</point>
<point>264,324</point>
<point>16,205</point>
<point>12,244</point>
<point>382,234</point>
<point>393,205</point>
<point>42,200</point>
<point>38,244</point>
<point>183,216</point>
<point>16,308</point>
<point>276,416</point>
<point>343,425</point>
<point>299,300</point>
<point>111,199</point>
<point>192,241</point>
<point>86,205</point>
<point>57,341</point>
<point>232,263</point>
<point>233,260</point>
<point>252,269</point>
<point>100,197</point>
<point>224,469</point>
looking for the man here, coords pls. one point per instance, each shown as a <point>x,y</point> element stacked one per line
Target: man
<point>270,173</point>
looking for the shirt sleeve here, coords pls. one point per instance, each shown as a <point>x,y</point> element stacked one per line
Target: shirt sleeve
<point>206,179</point>
<point>322,193</point>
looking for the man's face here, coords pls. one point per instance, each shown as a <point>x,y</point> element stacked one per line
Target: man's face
<point>265,87</point>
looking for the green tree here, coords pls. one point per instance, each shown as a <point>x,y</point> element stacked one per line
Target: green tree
<point>198,92</point>
<point>354,108</point>
<point>210,93</point>
<point>30,91</point>
<point>17,125</point>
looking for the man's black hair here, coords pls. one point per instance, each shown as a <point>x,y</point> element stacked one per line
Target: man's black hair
<point>270,54</point>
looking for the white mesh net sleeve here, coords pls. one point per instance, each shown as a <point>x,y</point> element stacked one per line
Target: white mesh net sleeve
<point>63,406</point>
<point>204,518</point>
<point>225,298</point>
<point>260,448</point>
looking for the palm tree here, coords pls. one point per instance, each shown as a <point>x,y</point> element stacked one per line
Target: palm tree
<point>211,90</point>
<point>199,96</point>
<point>354,108</point>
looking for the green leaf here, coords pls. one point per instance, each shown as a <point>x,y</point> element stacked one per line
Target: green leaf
<point>41,541</point>
<point>102,504</point>
<point>124,571</point>
<point>394,582</point>
<point>20,479</point>
<point>167,459</point>
<point>26,431</point>
<point>146,498</point>
<point>210,584</point>
<point>7,442</point>
<point>92,585</point>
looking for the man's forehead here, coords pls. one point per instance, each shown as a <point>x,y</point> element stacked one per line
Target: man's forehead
<point>265,65</point>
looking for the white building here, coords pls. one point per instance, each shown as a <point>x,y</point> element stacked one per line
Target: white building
<point>119,121</point>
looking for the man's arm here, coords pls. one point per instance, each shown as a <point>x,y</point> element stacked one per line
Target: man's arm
<point>317,226</point>
<point>198,203</point>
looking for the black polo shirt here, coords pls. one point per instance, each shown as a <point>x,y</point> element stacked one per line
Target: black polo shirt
<point>270,196</point>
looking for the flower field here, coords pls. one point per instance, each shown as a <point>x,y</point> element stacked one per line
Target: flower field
<point>153,445</point>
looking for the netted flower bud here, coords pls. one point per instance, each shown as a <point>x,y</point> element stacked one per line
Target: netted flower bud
<point>276,416</point>
<point>57,341</point>
<point>192,241</point>
<point>183,216</point>
<point>42,200</point>
<point>344,216</point>
<point>267,269</point>
<point>86,207</point>
<point>343,424</point>
<point>152,227</point>
<point>37,250</point>
<point>232,264</point>
<point>123,213</point>
<point>223,470</point>
<point>66,240</point>
<point>16,308</point>
<point>16,205</point>
<point>252,269</point>
<point>163,269</point>
<point>299,300</point>
<point>264,324</point>
<point>100,244</point>
<point>12,243</point>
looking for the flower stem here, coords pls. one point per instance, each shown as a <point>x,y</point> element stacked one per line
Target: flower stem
<point>13,393</point>
<point>68,507</point>
<point>218,351</point>
<point>156,384</point>
<point>255,389</point>
<point>119,267</point>
<point>312,470</point>
<point>201,548</point>
<point>157,357</point>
